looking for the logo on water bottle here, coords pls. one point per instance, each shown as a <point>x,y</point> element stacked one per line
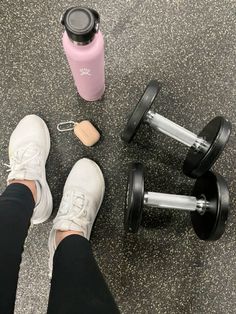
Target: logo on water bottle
<point>85,71</point>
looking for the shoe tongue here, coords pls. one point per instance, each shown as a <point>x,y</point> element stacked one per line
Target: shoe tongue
<point>79,205</point>
<point>72,203</point>
<point>31,155</point>
<point>73,214</point>
<point>87,197</point>
<point>26,159</point>
<point>25,166</point>
<point>26,152</point>
<point>83,202</point>
<point>76,207</point>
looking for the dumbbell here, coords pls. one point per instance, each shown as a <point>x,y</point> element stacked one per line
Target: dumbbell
<point>208,205</point>
<point>205,148</point>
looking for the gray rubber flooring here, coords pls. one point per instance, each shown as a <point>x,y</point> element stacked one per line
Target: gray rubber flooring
<point>190,47</point>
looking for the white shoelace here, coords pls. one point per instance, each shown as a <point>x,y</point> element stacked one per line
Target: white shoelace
<point>73,209</point>
<point>28,158</point>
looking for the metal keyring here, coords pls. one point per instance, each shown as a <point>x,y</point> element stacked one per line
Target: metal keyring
<point>66,123</point>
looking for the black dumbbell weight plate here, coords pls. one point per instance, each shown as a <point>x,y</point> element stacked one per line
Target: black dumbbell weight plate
<point>134,198</point>
<point>211,225</point>
<point>216,133</point>
<point>140,111</point>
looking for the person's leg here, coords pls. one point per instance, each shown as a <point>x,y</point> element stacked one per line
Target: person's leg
<point>77,284</point>
<point>16,208</point>
<point>27,199</point>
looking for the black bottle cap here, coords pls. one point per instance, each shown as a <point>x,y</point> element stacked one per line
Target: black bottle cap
<point>81,24</point>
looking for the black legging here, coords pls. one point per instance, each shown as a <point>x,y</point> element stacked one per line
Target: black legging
<point>77,284</point>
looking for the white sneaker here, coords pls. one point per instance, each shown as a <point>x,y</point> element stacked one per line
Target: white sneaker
<point>28,151</point>
<point>82,197</point>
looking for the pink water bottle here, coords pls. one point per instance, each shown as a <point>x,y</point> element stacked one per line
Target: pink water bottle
<point>84,48</point>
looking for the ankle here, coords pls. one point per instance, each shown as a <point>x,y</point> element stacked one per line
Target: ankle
<point>60,235</point>
<point>30,184</point>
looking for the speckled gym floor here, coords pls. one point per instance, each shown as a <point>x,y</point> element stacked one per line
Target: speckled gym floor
<point>190,47</point>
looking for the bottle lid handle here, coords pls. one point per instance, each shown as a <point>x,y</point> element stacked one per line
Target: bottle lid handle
<point>96,18</point>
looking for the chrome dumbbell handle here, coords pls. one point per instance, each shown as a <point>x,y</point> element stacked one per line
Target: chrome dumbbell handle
<point>175,131</point>
<point>182,202</point>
